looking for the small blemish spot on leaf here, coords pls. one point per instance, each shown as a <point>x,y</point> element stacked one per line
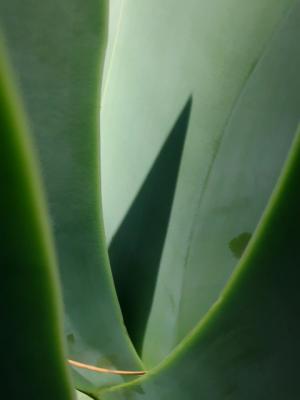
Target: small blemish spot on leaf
<point>238,244</point>
<point>138,389</point>
<point>71,338</point>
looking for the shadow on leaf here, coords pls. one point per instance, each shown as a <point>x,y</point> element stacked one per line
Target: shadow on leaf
<point>137,246</point>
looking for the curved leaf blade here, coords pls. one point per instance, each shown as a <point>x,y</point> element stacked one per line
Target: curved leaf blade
<point>247,345</point>
<point>241,177</point>
<point>205,48</point>
<point>32,350</point>
<point>57,48</point>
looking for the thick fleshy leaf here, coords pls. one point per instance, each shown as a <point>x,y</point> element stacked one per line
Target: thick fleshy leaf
<point>57,48</point>
<point>207,49</point>
<point>241,178</point>
<point>247,347</point>
<point>32,356</point>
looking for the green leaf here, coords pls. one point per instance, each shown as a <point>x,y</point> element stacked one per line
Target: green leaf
<point>241,178</point>
<point>209,49</point>
<point>32,356</point>
<point>247,345</point>
<point>57,49</point>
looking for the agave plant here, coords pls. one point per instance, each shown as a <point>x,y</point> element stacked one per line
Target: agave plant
<point>196,286</point>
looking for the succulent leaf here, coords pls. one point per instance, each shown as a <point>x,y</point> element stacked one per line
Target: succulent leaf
<point>32,356</point>
<point>57,49</point>
<point>246,347</point>
<point>230,56</point>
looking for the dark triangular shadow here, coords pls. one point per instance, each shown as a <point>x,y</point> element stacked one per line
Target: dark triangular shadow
<point>137,246</point>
